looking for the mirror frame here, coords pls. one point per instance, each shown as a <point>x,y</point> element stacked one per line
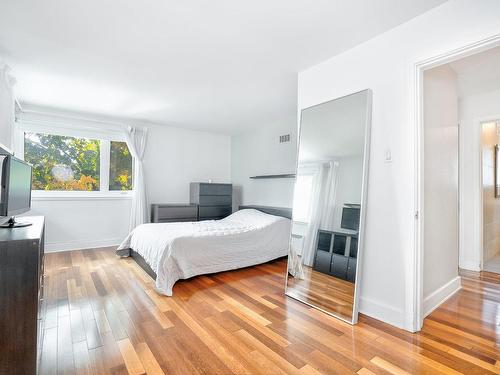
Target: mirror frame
<point>362,218</point>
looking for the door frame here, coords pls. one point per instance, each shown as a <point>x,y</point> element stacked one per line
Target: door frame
<point>416,267</point>
<point>478,212</point>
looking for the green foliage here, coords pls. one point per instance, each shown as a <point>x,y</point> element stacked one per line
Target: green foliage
<point>69,163</point>
<point>47,152</point>
<point>120,167</point>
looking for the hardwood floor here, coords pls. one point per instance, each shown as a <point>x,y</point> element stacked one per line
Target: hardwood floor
<point>103,317</point>
<point>324,291</point>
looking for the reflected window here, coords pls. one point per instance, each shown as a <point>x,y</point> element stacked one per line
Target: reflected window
<point>302,197</point>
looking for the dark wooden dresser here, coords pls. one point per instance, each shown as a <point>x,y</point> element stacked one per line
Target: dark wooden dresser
<point>214,200</point>
<point>173,212</point>
<point>21,296</point>
<point>337,253</point>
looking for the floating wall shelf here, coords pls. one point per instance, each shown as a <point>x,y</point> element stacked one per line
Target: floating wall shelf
<point>286,175</point>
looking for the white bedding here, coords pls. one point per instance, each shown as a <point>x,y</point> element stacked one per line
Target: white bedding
<point>182,250</point>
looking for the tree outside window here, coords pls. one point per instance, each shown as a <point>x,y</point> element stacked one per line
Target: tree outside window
<point>65,163</point>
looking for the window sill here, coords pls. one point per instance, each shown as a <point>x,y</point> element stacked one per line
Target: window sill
<point>39,195</point>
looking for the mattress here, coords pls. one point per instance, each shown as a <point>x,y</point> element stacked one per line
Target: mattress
<point>182,250</point>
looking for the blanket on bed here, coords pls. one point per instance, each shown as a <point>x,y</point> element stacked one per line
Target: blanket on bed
<point>182,250</point>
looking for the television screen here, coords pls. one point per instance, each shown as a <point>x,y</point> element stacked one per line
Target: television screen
<point>350,218</point>
<point>16,187</point>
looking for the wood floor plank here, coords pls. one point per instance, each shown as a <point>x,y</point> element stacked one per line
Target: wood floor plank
<point>132,361</point>
<point>103,316</point>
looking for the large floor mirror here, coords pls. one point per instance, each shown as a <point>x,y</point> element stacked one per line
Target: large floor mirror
<point>326,245</point>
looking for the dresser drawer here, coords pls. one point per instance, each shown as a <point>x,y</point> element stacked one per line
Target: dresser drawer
<point>214,212</point>
<point>322,261</point>
<point>216,189</point>
<point>339,266</point>
<point>168,213</point>
<point>216,200</point>
<point>178,220</point>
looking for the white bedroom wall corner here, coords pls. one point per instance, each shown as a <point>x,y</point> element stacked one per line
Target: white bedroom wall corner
<point>383,312</point>
<point>259,153</point>
<point>440,295</point>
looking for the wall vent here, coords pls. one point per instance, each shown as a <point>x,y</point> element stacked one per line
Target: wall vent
<point>285,138</point>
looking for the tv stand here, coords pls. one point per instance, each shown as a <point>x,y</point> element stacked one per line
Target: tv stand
<point>12,223</point>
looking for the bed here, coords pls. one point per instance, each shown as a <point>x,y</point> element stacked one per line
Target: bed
<point>172,251</point>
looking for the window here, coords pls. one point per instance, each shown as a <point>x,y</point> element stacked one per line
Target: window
<point>302,197</point>
<point>67,163</point>
<point>120,167</point>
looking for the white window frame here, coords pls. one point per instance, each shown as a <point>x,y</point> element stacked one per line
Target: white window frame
<point>79,129</point>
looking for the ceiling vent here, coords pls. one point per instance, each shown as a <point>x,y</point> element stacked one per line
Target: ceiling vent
<point>285,138</point>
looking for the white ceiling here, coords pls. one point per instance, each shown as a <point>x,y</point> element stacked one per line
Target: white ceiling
<point>219,65</point>
<point>334,129</point>
<point>478,73</point>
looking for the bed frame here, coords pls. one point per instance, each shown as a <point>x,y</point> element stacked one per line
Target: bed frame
<point>276,211</point>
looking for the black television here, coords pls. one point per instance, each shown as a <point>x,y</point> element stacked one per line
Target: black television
<point>350,217</point>
<point>15,190</point>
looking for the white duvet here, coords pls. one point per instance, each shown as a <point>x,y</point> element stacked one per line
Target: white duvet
<point>182,250</point>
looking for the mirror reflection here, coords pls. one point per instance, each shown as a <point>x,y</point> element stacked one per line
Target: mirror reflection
<point>324,248</point>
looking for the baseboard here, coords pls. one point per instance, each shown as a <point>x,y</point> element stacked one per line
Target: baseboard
<point>442,294</point>
<point>53,247</point>
<point>470,266</point>
<point>383,312</point>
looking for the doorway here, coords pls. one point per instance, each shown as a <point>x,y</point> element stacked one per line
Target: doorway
<point>457,93</point>
<point>490,188</point>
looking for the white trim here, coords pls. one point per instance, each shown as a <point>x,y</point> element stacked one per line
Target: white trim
<point>436,298</point>
<point>54,247</point>
<point>104,165</point>
<point>415,268</point>
<point>383,312</point>
<point>471,266</point>
<point>40,195</point>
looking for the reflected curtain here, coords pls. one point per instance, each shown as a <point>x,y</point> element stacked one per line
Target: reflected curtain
<point>330,195</point>
<point>314,219</point>
<point>136,142</point>
<point>321,213</point>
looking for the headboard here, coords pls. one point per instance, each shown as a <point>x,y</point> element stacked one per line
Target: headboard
<point>277,211</point>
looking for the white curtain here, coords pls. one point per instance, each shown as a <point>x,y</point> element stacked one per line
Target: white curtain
<point>314,219</point>
<point>322,207</point>
<point>330,195</point>
<point>136,142</point>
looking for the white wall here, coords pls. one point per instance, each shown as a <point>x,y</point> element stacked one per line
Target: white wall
<point>260,153</point>
<point>386,65</point>
<point>7,106</point>
<point>174,157</point>
<point>82,223</point>
<point>441,186</point>
<point>349,187</point>
<point>473,109</point>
